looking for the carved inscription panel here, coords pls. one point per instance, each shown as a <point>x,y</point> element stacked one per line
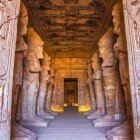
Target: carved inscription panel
<point>132,22</point>
<point>9,10</point>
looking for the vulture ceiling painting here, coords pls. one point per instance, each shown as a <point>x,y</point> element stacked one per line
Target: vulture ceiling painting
<point>70,28</point>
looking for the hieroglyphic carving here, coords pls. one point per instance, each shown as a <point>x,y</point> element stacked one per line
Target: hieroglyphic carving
<point>70,1</point>
<point>88,17</point>
<point>9,11</point>
<point>132,23</point>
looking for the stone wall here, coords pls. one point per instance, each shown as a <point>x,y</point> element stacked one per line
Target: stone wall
<point>9,10</point>
<point>70,68</point>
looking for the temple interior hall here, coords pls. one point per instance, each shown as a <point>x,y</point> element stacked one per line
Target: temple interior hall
<point>72,73</point>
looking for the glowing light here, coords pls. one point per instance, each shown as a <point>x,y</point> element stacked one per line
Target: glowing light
<point>57,108</point>
<point>65,104</point>
<point>84,108</point>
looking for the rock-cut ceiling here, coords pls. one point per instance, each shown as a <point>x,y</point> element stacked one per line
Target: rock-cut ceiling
<point>70,28</point>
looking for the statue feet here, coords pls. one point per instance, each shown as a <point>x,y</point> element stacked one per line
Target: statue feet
<point>122,132</point>
<point>95,115</point>
<point>35,121</point>
<point>20,133</point>
<point>89,112</point>
<point>106,121</point>
<point>45,115</point>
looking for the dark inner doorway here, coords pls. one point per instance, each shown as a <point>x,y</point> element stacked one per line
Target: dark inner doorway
<point>71,91</point>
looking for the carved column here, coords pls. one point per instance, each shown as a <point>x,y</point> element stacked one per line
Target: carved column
<point>125,131</point>
<point>91,88</point>
<point>30,87</point>
<point>50,94</point>
<point>109,78</point>
<point>98,85</point>
<point>17,131</point>
<point>9,11</point>
<point>43,88</point>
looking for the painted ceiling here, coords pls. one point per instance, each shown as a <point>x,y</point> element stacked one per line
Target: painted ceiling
<point>70,28</point>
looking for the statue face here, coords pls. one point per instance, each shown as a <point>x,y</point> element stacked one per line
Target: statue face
<point>116,22</point>
<point>118,18</point>
<point>34,64</point>
<point>23,20</point>
<point>20,44</point>
<point>102,47</point>
<point>39,51</point>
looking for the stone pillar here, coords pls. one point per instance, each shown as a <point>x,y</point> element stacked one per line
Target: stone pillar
<point>98,85</point>
<point>49,93</point>
<point>91,88</point>
<point>125,131</point>
<point>9,11</point>
<point>17,131</point>
<point>106,50</point>
<point>30,87</point>
<point>43,88</point>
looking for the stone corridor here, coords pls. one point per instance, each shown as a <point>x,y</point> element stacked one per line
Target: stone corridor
<point>69,125</point>
<point>69,69</point>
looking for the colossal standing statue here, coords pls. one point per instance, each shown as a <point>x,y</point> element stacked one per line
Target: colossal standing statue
<point>43,88</point>
<point>91,88</point>
<point>17,131</point>
<point>98,85</point>
<point>106,50</point>
<point>125,131</point>
<point>30,87</point>
<point>50,94</point>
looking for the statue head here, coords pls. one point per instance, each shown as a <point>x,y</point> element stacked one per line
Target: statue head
<point>35,43</point>
<point>118,18</point>
<point>34,63</point>
<point>23,20</point>
<point>89,67</point>
<point>46,67</point>
<point>52,72</point>
<point>46,61</point>
<point>20,44</point>
<point>96,64</point>
<point>121,44</point>
<point>106,43</point>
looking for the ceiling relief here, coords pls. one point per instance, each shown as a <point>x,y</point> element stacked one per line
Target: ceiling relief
<point>70,26</point>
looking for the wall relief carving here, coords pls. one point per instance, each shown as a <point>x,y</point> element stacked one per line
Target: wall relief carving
<point>9,11</point>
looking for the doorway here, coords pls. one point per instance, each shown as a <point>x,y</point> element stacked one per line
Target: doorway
<point>70,92</point>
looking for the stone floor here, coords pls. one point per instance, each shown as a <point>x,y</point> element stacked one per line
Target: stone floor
<point>69,125</point>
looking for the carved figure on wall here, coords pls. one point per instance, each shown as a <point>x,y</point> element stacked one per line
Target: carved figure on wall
<point>9,11</point>
<point>91,88</point>
<point>98,85</point>
<point>132,26</point>
<point>126,129</point>
<point>44,79</point>
<point>106,50</point>
<point>30,87</point>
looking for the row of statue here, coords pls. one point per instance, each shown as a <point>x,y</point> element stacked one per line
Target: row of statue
<point>108,82</point>
<point>33,78</point>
